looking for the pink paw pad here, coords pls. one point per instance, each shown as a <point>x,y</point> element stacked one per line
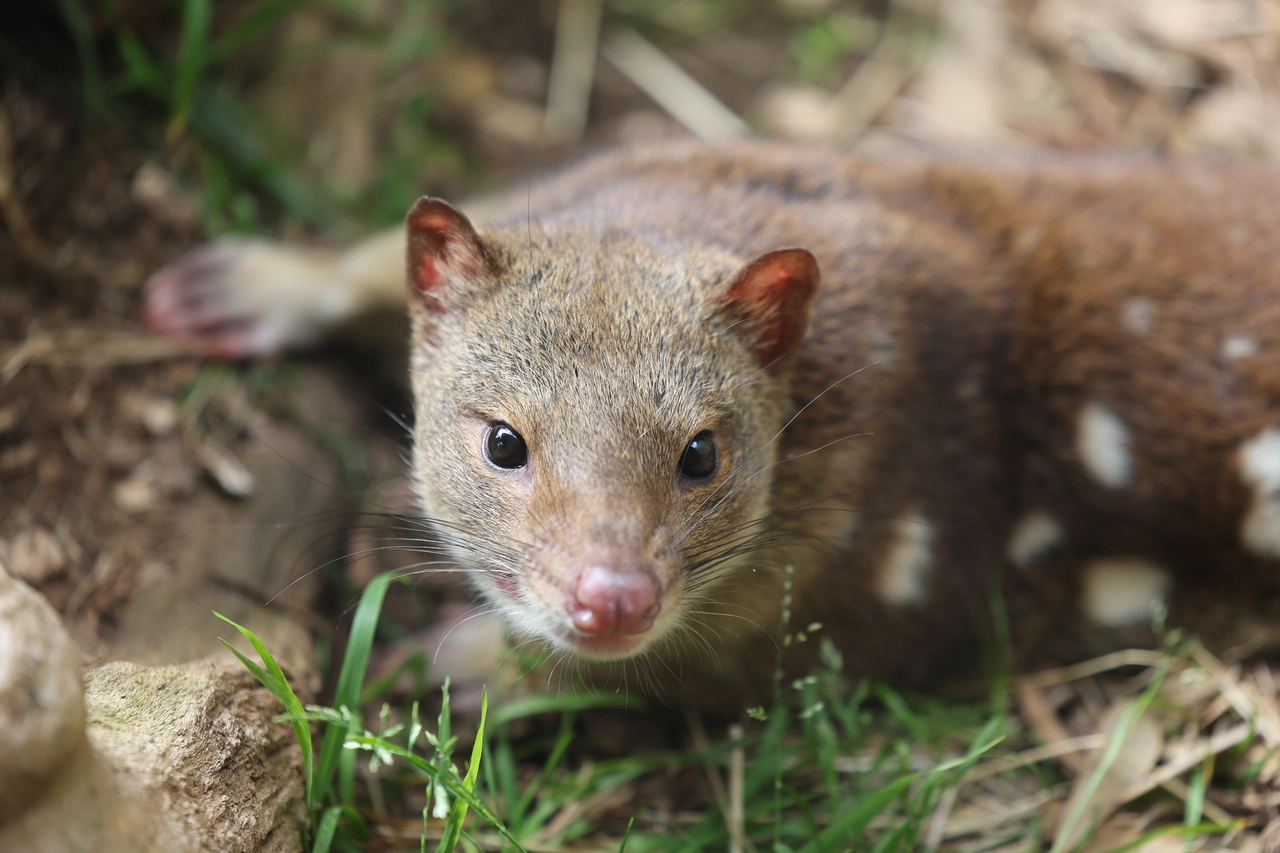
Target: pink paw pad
<point>199,300</point>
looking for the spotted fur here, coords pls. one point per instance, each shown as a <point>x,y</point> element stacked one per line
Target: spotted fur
<point>1048,373</point>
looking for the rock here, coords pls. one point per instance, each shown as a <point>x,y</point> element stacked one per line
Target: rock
<point>41,702</point>
<point>196,747</point>
<point>174,758</point>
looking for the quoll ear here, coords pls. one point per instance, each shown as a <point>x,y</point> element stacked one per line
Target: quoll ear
<point>443,248</point>
<point>771,299</point>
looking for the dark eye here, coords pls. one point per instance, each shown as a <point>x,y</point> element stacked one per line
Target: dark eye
<point>699,459</point>
<point>504,447</point>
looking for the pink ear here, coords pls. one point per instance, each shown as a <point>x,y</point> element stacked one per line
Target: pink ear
<point>443,245</point>
<point>771,297</point>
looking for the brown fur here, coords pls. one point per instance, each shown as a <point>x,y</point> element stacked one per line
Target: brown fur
<point>970,309</point>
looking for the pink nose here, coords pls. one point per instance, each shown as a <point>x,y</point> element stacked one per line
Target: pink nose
<point>607,600</point>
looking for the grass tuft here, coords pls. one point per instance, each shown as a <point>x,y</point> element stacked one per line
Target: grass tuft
<point>347,695</point>
<point>273,678</point>
<point>830,766</point>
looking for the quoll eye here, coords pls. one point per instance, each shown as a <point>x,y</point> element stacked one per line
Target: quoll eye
<point>699,459</point>
<point>504,447</point>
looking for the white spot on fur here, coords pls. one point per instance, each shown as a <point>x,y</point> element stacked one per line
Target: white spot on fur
<point>903,575</point>
<point>1121,592</point>
<point>1261,528</point>
<point>1237,347</point>
<point>1036,535</point>
<point>1136,315</point>
<point>1260,468</point>
<point>1260,461</point>
<point>1102,441</point>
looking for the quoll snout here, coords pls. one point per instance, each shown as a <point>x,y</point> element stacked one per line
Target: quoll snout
<point>614,594</point>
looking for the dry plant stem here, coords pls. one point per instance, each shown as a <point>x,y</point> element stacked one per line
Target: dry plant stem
<point>1214,710</point>
<point>1212,810</point>
<point>573,67</point>
<point>1055,749</point>
<point>1084,669</point>
<point>1044,722</point>
<point>936,831</point>
<point>672,88</point>
<point>88,348</point>
<point>591,807</point>
<point>871,89</point>
<point>1265,681</point>
<point>958,827</point>
<point>1263,714</point>
<point>737,774</point>
<point>698,736</point>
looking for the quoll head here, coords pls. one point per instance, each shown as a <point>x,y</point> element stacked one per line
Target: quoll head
<point>596,418</point>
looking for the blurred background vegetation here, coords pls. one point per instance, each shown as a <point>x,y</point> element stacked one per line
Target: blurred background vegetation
<point>335,114</point>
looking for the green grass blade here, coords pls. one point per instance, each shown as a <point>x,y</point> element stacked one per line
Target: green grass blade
<point>561,703</point>
<point>563,739</point>
<point>1196,794</point>
<point>896,706</point>
<point>500,776</point>
<point>772,753</point>
<point>351,676</point>
<point>449,780</point>
<point>346,774</point>
<point>253,26</point>
<point>226,126</point>
<point>144,71</point>
<point>856,819</point>
<point>197,19</point>
<point>327,827</point>
<point>626,836</point>
<point>1187,832</point>
<point>272,677</point>
<point>458,814</point>
<point>81,28</point>
<point>1128,719</point>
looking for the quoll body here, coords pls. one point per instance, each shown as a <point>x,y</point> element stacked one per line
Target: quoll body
<point>649,384</point>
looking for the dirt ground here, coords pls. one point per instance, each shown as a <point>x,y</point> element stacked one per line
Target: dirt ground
<point>78,415</point>
<point>118,450</point>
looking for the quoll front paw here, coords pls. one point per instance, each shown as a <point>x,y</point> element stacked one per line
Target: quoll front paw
<point>238,298</point>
